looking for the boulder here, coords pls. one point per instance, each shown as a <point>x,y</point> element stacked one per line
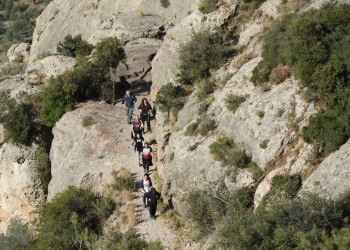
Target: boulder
<point>94,20</point>
<point>40,71</point>
<point>20,193</point>
<point>139,56</point>
<point>19,53</point>
<point>86,156</point>
<point>332,177</point>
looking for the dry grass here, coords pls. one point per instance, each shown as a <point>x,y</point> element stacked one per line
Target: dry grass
<point>279,74</point>
<point>124,173</point>
<point>243,59</point>
<point>126,196</point>
<point>157,181</point>
<point>131,217</point>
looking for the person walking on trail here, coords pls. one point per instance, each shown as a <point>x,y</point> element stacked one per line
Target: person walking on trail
<point>145,113</point>
<point>136,127</point>
<point>138,140</point>
<point>145,186</point>
<point>152,198</point>
<point>129,100</point>
<point>147,154</point>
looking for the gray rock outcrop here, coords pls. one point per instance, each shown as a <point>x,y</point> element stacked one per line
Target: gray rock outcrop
<point>94,20</point>
<point>332,177</point>
<point>86,156</point>
<point>40,71</point>
<point>20,194</point>
<point>19,53</point>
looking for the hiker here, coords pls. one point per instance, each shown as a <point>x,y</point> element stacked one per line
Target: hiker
<point>145,186</point>
<point>136,128</point>
<point>129,100</point>
<point>138,140</point>
<point>152,198</point>
<point>145,113</point>
<point>147,154</point>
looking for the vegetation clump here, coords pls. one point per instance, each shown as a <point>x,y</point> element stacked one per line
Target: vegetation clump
<point>314,44</point>
<point>207,6</point>
<point>169,98</point>
<point>18,235</point>
<point>17,120</point>
<point>226,151</point>
<point>232,102</point>
<point>74,47</point>
<point>87,81</point>
<point>203,52</point>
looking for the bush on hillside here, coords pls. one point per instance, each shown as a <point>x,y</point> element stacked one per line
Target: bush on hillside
<point>226,151</point>
<point>203,52</point>
<point>315,44</point>
<point>66,215</point>
<point>18,235</point>
<point>42,167</point>
<point>232,102</point>
<point>170,98</point>
<point>207,6</point>
<point>74,46</point>
<point>17,121</point>
<point>109,52</point>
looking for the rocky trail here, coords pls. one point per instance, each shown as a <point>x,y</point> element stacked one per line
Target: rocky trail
<point>147,229</point>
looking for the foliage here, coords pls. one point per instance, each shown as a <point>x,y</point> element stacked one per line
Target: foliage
<point>206,126</point>
<point>18,235</point>
<point>74,46</point>
<point>124,183</point>
<point>205,88</point>
<point>192,147</point>
<point>67,213</point>
<point>89,80</point>
<point>256,171</point>
<point>203,52</point>
<point>191,129</point>
<point>315,45</point>
<point>232,102</point>
<point>165,3</point>
<point>260,113</point>
<point>169,98</point>
<point>88,121</point>
<point>289,184</point>
<point>226,151</point>
<point>207,6</point>
<point>109,52</point>
<point>279,74</point>
<point>264,143</point>
<point>17,121</point>
<point>256,3</point>
<point>42,167</point>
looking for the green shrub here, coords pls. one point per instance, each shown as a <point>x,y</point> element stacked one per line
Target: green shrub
<point>204,209</point>
<point>66,215</point>
<point>203,107</point>
<point>256,171</point>
<point>226,151</point>
<point>260,113</point>
<point>165,3</point>
<point>17,121</point>
<point>88,121</point>
<point>232,102</point>
<point>207,6</point>
<point>264,143</point>
<point>191,129</point>
<point>42,167</point>
<point>109,52</point>
<point>124,183</point>
<point>206,126</point>
<point>193,147</point>
<point>256,3</point>
<point>205,88</point>
<point>74,46</point>
<point>18,235</point>
<point>290,184</point>
<point>169,98</point>
<point>203,52</point>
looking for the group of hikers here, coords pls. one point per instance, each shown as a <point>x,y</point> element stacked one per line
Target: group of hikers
<point>142,148</point>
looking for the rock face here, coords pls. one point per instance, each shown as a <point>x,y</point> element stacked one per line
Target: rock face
<point>139,56</point>
<point>332,177</point>
<point>19,193</point>
<point>86,156</point>
<point>126,20</point>
<point>275,115</point>
<point>19,53</point>
<point>40,71</point>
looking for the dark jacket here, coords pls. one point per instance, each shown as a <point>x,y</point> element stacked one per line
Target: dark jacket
<point>129,100</point>
<point>152,198</point>
<point>145,108</point>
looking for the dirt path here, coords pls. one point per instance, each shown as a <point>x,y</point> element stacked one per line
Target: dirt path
<point>147,229</point>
